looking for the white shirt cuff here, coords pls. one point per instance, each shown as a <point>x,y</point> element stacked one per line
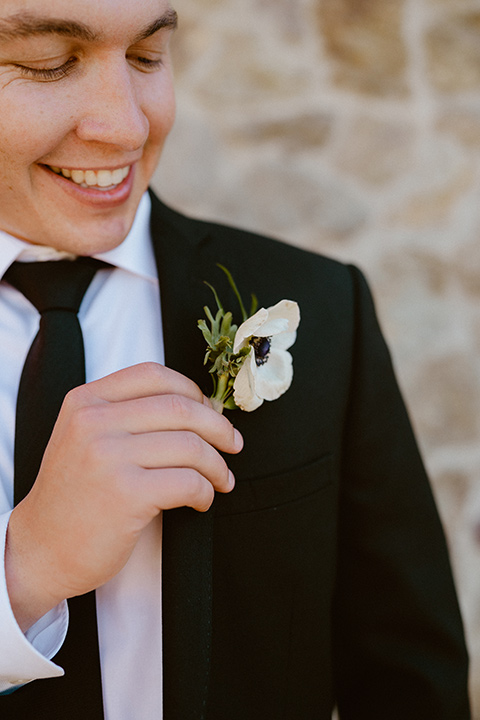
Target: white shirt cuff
<point>26,657</point>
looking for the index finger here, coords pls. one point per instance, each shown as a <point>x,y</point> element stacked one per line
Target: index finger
<point>144,380</point>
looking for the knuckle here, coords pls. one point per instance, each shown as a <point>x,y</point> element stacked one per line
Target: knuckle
<point>75,398</point>
<point>227,431</point>
<point>179,406</point>
<point>194,445</point>
<point>151,368</point>
<point>86,419</point>
<point>150,371</point>
<point>81,418</point>
<point>201,492</point>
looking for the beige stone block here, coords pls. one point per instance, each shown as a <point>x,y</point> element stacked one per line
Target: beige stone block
<point>440,5</point>
<point>463,123</point>
<point>375,150</point>
<point>432,206</point>
<point>302,131</point>
<point>364,40</point>
<point>409,269</point>
<point>282,199</point>
<point>289,17</point>
<point>246,75</point>
<point>413,288</point>
<point>447,392</point>
<point>230,57</point>
<point>189,45</point>
<point>476,333</point>
<point>453,52</point>
<point>192,163</point>
<point>466,267</point>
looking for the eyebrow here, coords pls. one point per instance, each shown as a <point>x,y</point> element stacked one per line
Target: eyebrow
<point>25,25</point>
<point>169,21</point>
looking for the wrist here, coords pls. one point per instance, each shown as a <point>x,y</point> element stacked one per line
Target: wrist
<point>29,594</point>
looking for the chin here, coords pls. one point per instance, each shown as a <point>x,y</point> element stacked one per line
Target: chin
<point>93,238</point>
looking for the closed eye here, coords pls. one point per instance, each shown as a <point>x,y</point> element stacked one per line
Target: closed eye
<point>145,64</point>
<point>48,74</point>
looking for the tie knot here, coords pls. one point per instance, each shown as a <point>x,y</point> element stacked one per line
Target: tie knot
<point>54,285</point>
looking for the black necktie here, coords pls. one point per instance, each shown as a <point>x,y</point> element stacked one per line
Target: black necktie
<point>55,364</point>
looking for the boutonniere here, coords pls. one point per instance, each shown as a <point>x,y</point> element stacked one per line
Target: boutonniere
<point>249,363</point>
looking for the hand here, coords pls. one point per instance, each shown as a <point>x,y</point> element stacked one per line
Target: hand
<point>124,447</point>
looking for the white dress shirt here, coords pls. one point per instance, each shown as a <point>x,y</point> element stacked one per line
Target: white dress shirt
<point>121,323</point>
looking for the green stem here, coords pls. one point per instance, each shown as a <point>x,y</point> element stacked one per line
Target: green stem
<point>221,391</point>
<point>235,290</point>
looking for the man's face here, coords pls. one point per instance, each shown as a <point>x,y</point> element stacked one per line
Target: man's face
<point>86,102</point>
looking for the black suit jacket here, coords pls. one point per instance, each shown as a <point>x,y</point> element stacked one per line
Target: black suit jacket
<point>323,578</point>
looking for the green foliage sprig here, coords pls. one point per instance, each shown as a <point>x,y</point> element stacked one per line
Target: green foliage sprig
<point>220,337</point>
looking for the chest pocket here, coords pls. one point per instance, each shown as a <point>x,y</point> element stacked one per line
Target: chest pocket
<point>270,491</point>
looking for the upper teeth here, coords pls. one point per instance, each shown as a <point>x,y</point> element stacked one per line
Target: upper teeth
<point>100,178</point>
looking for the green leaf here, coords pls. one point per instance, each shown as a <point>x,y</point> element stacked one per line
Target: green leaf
<point>230,404</point>
<point>205,332</point>
<point>209,315</point>
<point>217,300</point>
<point>226,324</point>
<point>235,290</point>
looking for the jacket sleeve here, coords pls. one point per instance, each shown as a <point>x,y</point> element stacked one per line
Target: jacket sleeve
<point>398,638</point>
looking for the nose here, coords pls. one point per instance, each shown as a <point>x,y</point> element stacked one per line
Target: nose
<point>111,110</point>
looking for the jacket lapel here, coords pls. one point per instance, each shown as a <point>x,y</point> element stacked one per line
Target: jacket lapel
<point>186,254</point>
<point>187,534</point>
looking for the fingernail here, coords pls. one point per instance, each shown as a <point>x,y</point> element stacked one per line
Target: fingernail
<point>231,479</point>
<point>238,439</point>
<point>206,401</point>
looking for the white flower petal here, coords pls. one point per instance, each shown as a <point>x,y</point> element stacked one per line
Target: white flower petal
<point>285,310</point>
<point>267,381</point>
<point>249,328</point>
<point>275,376</point>
<point>283,341</point>
<point>244,386</point>
<point>272,326</point>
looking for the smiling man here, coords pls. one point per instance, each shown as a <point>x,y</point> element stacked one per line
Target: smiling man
<point>87,103</point>
<point>204,580</point>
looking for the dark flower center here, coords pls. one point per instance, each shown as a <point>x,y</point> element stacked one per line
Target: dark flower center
<point>261,347</point>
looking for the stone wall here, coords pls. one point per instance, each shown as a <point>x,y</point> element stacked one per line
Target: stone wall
<point>352,127</point>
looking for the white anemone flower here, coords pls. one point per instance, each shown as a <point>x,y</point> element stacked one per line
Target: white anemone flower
<point>267,371</point>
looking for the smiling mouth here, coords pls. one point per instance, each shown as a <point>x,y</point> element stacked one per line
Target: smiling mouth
<point>97,179</point>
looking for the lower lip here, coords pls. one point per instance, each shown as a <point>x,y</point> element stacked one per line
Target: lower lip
<point>93,196</point>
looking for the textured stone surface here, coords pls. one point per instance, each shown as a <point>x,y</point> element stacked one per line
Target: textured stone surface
<point>453,52</point>
<point>293,133</point>
<point>463,123</point>
<point>452,401</point>
<point>352,127</point>
<point>381,151</point>
<point>363,38</point>
<point>434,205</point>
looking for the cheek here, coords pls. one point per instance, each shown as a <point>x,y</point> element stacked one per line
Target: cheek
<point>29,129</point>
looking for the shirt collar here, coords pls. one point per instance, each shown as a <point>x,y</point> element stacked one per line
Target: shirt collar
<point>135,254</point>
